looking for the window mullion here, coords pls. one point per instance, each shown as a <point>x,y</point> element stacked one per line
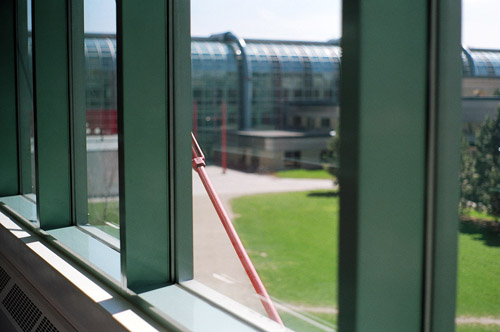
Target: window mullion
<point>25,99</point>
<point>181,122</point>
<point>383,159</point>
<point>143,143</point>
<point>78,113</point>
<point>52,105</point>
<point>443,186</point>
<point>9,181</point>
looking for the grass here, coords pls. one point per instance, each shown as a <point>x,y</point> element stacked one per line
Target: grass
<point>299,324</point>
<point>475,214</point>
<point>477,328</point>
<point>478,271</point>
<point>292,240</point>
<point>102,212</point>
<point>304,174</point>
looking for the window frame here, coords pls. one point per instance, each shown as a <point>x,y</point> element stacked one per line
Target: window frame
<point>431,255</point>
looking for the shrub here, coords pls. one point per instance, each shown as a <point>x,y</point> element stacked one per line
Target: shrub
<point>480,169</point>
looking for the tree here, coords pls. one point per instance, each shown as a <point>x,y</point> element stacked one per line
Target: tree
<point>480,169</point>
<point>487,166</point>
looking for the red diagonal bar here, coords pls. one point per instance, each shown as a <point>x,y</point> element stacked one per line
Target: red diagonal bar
<point>199,167</point>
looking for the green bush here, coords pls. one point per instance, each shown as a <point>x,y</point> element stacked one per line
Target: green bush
<point>480,169</point>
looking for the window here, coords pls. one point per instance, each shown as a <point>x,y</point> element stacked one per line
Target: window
<point>325,122</point>
<point>478,292</point>
<point>102,171</point>
<point>263,166</point>
<point>399,147</point>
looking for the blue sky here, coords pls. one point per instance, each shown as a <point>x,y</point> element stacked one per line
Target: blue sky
<point>317,20</point>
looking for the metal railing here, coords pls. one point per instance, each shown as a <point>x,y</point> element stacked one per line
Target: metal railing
<point>199,167</point>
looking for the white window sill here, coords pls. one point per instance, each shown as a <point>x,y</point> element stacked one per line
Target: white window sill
<point>189,306</point>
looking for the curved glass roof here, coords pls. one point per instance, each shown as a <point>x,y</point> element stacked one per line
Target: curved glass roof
<point>486,63</point>
<point>100,47</point>
<point>291,57</point>
<point>212,56</point>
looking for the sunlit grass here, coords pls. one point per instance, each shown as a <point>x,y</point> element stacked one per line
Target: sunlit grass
<point>105,216</point>
<point>475,214</point>
<point>478,271</point>
<point>304,174</point>
<point>292,239</point>
<point>477,328</point>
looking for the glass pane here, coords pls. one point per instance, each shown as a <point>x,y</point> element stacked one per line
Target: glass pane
<point>25,86</point>
<point>101,115</point>
<point>478,291</point>
<point>266,106</point>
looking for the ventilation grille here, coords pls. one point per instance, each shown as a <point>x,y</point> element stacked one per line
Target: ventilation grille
<point>22,310</point>
<point>46,326</point>
<point>4,279</point>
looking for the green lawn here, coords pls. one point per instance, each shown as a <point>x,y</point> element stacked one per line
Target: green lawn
<point>473,213</point>
<point>101,213</point>
<point>292,240</point>
<point>304,174</point>
<point>478,271</point>
<point>318,325</point>
<point>477,328</point>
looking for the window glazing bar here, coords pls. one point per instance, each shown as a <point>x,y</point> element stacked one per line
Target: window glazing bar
<point>78,113</point>
<point>143,143</point>
<point>181,116</point>
<point>25,99</point>
<point>9,167</point>
<point>52,105</point>
<point>383,165</point>
<point>444,125</point>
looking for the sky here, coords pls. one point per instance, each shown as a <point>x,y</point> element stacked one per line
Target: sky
<point>315,20</point>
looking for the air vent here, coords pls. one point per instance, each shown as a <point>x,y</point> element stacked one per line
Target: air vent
<point>22,310</point>
<point>46,326</point>
<point>4,279</point>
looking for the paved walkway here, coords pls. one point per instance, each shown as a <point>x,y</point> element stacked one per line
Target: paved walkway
<point>215,261</point>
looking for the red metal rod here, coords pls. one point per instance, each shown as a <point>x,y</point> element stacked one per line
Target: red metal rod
<point>199,167</point>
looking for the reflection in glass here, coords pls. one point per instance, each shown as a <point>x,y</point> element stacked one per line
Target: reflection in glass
<point>32,117</point>
<point>26,108</point>
<point>101,115</point>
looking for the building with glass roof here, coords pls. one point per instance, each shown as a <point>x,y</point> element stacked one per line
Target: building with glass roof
<point>291,86</point>
<point>285,76</point>
<point>391,231</point>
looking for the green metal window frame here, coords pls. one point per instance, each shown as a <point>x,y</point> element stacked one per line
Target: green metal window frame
<point>24,99</point>
<point>52,113</point>
<point>400,94</point>
<point>9,168</point>
<point>400,134</point>
<point>155,211</point>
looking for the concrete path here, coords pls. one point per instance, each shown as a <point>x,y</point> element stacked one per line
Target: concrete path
<point>215,261</point>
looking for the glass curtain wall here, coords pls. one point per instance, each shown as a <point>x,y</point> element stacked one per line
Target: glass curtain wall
<point>101,115</point>
<point>25,86</point>
<point>265,114</point>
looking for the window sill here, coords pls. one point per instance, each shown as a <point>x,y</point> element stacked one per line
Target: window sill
<point>189,306</point>
<point>22,205</point>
